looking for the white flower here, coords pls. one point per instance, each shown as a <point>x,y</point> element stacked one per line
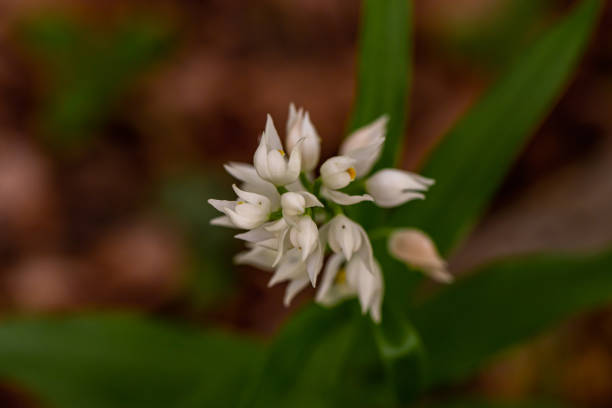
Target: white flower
<point>356,278</point>
<point>304,236</point>
<point>365,144</point>
<point>345,236</point>
<point>284,236</point>
<point>270,161</point>
<point>291,269</point>
<point>294,204</point>
<point>249,211</point>
<point>337,172</point>
<point>300,128</point>
<point>393,187</point>
<point>271,235</point>
<point>416,249</point>
<point>251,181</point>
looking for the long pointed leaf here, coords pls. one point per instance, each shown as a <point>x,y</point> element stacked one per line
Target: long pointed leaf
<point>122,361</point>
<point>506,303</point>
<point>384,70</point>
<point>471,161</point>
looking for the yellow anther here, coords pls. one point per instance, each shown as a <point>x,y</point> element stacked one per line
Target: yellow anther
<point>240,202</point>
<point>340,277</point>
<point>281,152</point>
<point>351,172</point>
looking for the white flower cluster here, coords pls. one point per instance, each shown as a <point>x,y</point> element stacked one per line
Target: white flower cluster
<point>293,217</point>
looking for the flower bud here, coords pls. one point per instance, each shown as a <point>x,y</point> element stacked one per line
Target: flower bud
<point>337,172</point>
<point>299,127</point>
<point>416,249</point>
<point>250,211</point>
<point>304,236</point>
<point>344,236</point>
<point>392,187</point>
<point>365,145</point>
<point>292,204</point>
<point>270,161</point>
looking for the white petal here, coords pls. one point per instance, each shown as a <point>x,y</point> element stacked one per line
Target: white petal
<point>253,198</point>
<point>365,282</point>
<point>304,236</point>
<point>293,288</point>
<point>255,235</point>
<point>366,252</point>
<point>365,158</point>
<point>343,198</point>
<point>221,205</point>
<point>276,226</point>
<point>242,221</point>
<point>365,145</point>
<point>273,142</point>
<point>336,164</point>
<point>344,236</point>
<point>290,267</point>
<point>365,135</point>
<point>257,256</point>
<point>314,264</point>
<point>282,245</point>
<point>294,166</point>
<point>247,174</point>
<point>277,166</point>
<point>294,127</point>
<point>325,293</point>
<point>310,199</point>
<point>311,146</point>
<point>260,160</point>
<point>223,221</point>
<point>293,204</point>
<point>337,172</point>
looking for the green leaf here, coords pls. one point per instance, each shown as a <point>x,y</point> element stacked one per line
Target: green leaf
<point>503,304</point>
<point>114,361</point>
<point>471,161</point>
<point>384,71</point>
<point>303,365</point>
<point>497,404</point>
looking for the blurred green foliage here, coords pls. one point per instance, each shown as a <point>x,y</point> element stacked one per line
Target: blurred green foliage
<point>183,198</point>
<point>123,361</point>
<point>504,303</point>
<point>89,68</point>
<point>336,357</point>
<point>494,40</point>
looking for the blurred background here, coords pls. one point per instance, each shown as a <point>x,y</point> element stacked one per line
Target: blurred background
<point>116,118</point>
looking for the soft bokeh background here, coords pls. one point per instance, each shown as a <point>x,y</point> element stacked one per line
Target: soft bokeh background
<point>115,120</point>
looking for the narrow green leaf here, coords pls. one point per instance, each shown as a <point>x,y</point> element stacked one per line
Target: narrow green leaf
<point>471,161</point>
<point>384,71</point>
<point>505,303</point>
<point>114,361</point>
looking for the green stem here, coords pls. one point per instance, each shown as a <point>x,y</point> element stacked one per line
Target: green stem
<point>305,182</point>
<point>281,190</point>
<point>276,215</point>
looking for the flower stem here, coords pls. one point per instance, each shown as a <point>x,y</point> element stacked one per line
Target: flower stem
<point>305,182</point>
